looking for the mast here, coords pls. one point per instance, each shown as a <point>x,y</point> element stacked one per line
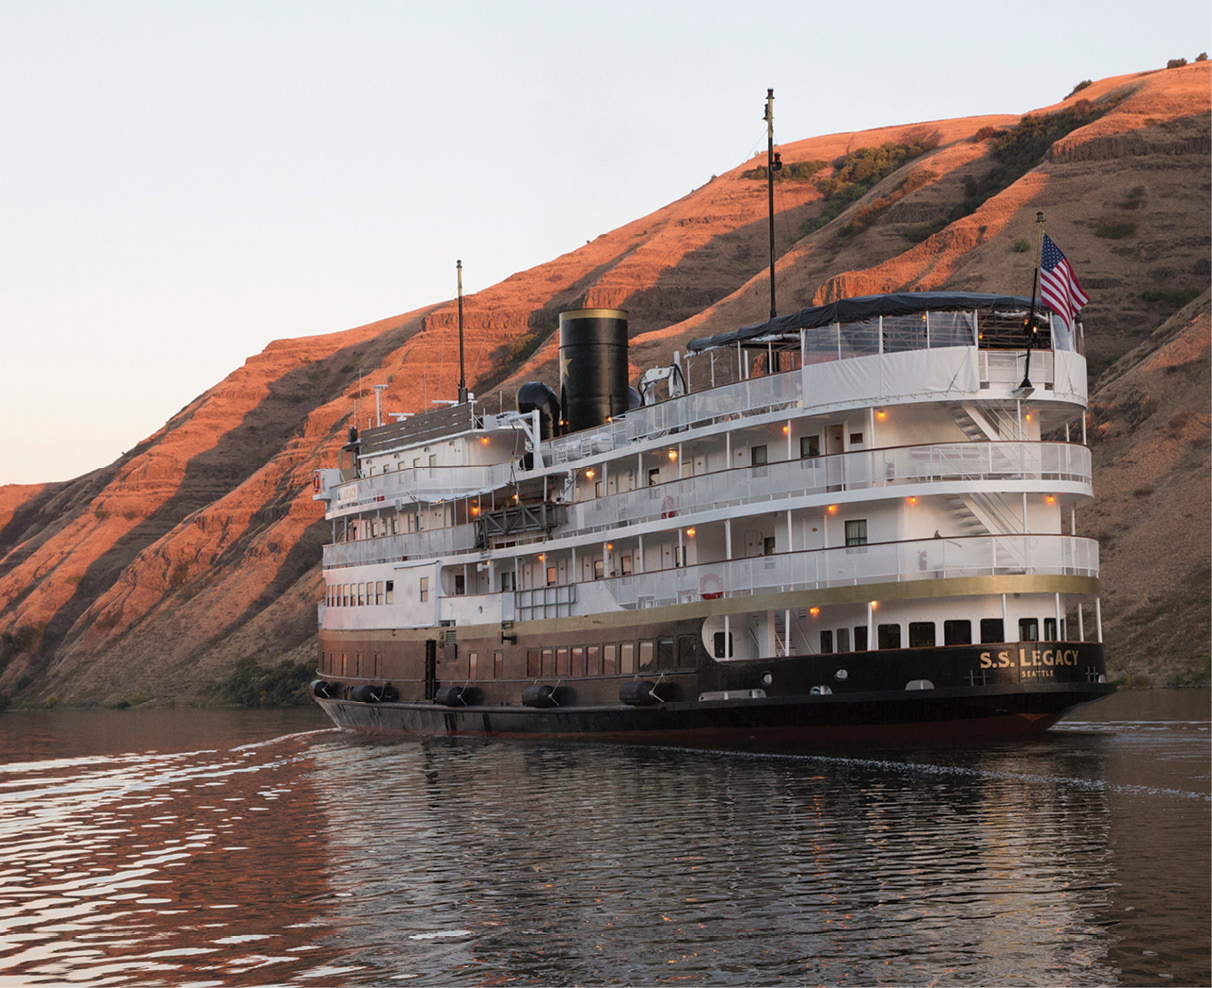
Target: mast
<point>462,378</point>
<point>774,163</point>
<point>1029,329</point>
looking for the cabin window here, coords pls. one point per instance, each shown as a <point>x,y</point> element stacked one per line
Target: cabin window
<point>599,569</point>
<point>921,634</point>
<point>860,639</point>
<point>665,653</point>
<point>856,532</point>
<point>424,589</point>
<point>597,488</point>
<point>361,594</point>
<point>551,576</point>
<point>460,582</point>
<point>610,659</point>
<point>826,642</point>
<point>688,652</point>
<point>992,630</point>
<point>507,581</point>
<point>1050,630</point>
<point>358,670</point>
<point>768,544</point>
<point>647,656</point>
<point>722,645</point>
<point>810,446</point>
<point>625,564</point>
<point>473,665</point>
<point>1028,629</point>
<point>856,438</point>
<point>389,591</point>
<point>532,663</point>
<point>561,662</point>
<point>843,639</point>
<point>627,658</point>
<point>957,632</point>
<point>498,665</point>
<point>548,662</point>
<point>593,661</point>
<point>379,592</point>
<point>888,636</point>
<point>344,663</point>
<point>757,456</point>
<point>654,476</point>
<point>578,660</point>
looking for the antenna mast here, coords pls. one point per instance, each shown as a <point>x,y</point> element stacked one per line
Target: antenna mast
<point>774,163</point>
<point>462,378</point>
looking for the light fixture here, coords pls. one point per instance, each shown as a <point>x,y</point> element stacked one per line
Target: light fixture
<point>786,430</point>
<point>673,454</point>
<point>690,532</point>
<point>814,611</point>
<point>832,509</point>
<point>1050,499</point>
<point>484,441</point>
<point>589,474</point>
<point>912,500</point>
<point>881,415</point>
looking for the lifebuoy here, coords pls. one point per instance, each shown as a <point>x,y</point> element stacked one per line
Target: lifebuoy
<point>315,481</point>
<point>669,507</point>
<point>711,586</point>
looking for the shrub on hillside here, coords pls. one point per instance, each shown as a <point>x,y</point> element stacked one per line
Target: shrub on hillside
<point>1079,87</point>
<point>283,685</point>
<point>1176,63</point>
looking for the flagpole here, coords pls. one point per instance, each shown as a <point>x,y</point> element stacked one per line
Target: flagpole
<point>1029,329</point>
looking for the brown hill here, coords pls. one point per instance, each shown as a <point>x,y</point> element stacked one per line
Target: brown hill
<point>200,547</point>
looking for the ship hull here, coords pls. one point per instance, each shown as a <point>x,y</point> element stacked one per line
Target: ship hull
<point>792,703</point>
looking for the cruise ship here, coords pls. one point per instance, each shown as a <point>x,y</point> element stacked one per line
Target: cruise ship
<point>853,523</point>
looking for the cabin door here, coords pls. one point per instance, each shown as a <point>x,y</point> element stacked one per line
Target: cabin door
<point>834,447</point>
<point>431,669</point>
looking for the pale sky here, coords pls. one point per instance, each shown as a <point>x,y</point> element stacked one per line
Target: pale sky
<point>182,182</point>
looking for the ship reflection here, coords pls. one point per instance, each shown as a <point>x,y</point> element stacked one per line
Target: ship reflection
<point>478,862</point>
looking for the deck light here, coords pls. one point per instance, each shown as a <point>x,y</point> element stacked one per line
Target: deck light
<point>912,500</point>
<point>814,611</point>
<point>832,509</point>
<point>881,415</point>
<point>690,532</point>
<point>589,474</point>
<point>673,454</point>
<point>1050,499</point>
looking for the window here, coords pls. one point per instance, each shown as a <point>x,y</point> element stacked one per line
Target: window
<point>768,546</point>
<point>992,630</point>
<point>888,636</point>
<point>599,569</point>
<point>826,642</point>
<point>498,665</point>
<point>460,584</point>
<point>548,662</point>
<point>473,665</point>
<point>722,645</point>
<point>688,651</point>
<point>593,661</point>
<point>625,564</point>
<point>856,532</point>
<point>1050,630</point>
<point>856,438</point>
<point>578,660</point>
<point>561,662</point>
<point>627,658</point>
<point>647,656</point>
<point>378,592</point>
<point>610,659</point>
<point>551,576</point>
<point>810,446</point>
<point>757,456</point>
<point>507,582</point>
<point>860,639</point>
<point>654,476</point>
<point>424,589</point>
<point>1028,629</point>
<point>843,639</point>
<point>957,632</point>
<point>921,634</point>
<point>532,663</point>
<point>389,591</point>
<point>665,653</point>
<point>361,594</point>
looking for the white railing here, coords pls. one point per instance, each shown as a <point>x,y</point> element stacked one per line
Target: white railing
<point>860,470</point>
<point>428,484</point>
<point>437,543</point>
<point>889,562</point>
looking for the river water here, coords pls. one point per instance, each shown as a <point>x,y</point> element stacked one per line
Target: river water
<point>186,847</point>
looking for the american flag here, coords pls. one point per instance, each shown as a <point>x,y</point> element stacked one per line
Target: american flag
<point>1058,285</point>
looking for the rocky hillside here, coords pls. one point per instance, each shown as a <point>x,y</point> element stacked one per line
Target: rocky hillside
<point>200,547</point>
